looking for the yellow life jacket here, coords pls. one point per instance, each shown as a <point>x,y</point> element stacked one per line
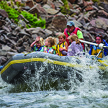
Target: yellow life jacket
<point>63,45</point>
<point>95,51</point>
<point>54,47</point>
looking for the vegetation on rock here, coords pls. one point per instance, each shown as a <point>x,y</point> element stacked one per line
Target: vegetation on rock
<point>65,4</point>
<point>65,8</point>
<point>13,14</point>
<point>96,0</point>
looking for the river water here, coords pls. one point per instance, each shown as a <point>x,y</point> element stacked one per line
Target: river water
<point>92,92</point>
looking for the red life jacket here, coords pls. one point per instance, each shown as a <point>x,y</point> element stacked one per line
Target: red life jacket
<point>67,34</point>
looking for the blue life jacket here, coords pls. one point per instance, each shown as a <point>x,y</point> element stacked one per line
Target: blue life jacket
<point>105,50</point>
<point>35,48</point>
<point>1,67</point>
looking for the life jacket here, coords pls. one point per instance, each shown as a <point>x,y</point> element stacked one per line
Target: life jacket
<point>44,49</point>
<point>75,32</point>
<point>105,50</point>
<point>63,45</point>
<point>35,48</point>
<point>54,47</point>
<point>51,50</point>
<point>67,34</point>
<point>95,50</point>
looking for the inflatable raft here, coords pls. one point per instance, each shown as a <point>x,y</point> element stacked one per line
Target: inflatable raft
<point>23,66</point>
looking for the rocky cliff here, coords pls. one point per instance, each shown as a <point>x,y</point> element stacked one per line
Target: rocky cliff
<point>90,16</point>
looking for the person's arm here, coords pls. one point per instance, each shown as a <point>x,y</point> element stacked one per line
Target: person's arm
<point>66,46</point>
<point>106,44</point>
<point>37,39</point>
<point>64,49</point>
<point>32,44</point>
<point>105,50</point>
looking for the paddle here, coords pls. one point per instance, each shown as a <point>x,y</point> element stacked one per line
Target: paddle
<point>101,45</point>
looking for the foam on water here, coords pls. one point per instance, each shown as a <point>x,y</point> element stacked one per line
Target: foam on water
<point>4,87</point>
<point>91,82</point>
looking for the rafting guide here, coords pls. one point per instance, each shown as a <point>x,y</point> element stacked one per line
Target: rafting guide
<point>71,29</point>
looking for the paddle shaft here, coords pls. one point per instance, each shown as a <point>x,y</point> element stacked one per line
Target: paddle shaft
<point>91,43</point>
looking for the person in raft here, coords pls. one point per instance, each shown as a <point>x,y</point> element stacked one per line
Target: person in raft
<point>37,44</point>
<point>45,47</point>
<point>94,50</point>
<point>51,44</point>
<point>48,48</point>
<point>71,29</point>
<point>75,48</point>
<point>62,46</point>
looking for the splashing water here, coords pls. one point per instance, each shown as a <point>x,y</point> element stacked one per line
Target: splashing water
<point>86,76</point>
<point>85,86</point>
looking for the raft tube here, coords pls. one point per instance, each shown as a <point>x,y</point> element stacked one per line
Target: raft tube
<point>58,66</point>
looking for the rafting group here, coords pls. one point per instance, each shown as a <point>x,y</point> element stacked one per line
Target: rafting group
<point>69,43</point>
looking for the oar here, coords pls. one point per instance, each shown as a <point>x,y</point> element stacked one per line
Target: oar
<point>101,45</point>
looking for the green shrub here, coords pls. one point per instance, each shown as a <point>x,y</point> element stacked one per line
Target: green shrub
<point>65,4</point>
<point>95,0</point>
<point>33,20</point>
<point>13,14</point>
<point>64,10</point>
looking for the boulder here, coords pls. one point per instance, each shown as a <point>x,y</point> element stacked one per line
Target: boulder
<point>37,9</point>
<point>38,1</point>
<point>1,23</point>
<point>57,4</point>
<point>72,1</point>
<point>3,13</point>
<point>105,6</point>
<point>51,4</point>
<point>100,23</point>
<point>50,10</point>
<point>102,13</point>
<point>39,32</point>
<point>59,22</point>
<point>30,3</point>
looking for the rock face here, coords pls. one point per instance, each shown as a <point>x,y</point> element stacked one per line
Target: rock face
<point>90,17</point>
